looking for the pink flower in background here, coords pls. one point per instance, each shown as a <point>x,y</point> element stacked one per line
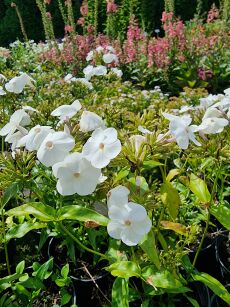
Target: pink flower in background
<point>81,21</point>
<point>68,29</point>
<point>111,6</point>
<point>166,16</point>
<point>90,29</point>
<point>84,9</point>
<point>47,1</point>
<point>204,74</point>
<point>48,14</point>
<point>213,14</point>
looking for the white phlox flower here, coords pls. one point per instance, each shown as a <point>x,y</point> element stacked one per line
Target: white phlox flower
<point>102,147</point>
<point>117,72</point>
<point>90,121</point>
<point>137,140</point>
<point>224,104</point>
<point>208,101</point>
<point>129,221</point>
<point>109,58</point>
<point>181,129</point>
<point>100,70</point>
<point>35,137</point>
<point>18,119</point>
<point>68,78</point>
<point>65,112</point>
<point>88,72</point>
<point>76,175</point>
<point>227,91</point>
<point>118,196</point>
<point>89,56</point>
<point>91,71</point>
<point>55,147</point>
<point>212,122</point>
<point>15,137</point>
<point>17,84</point>
<point>110,49</point>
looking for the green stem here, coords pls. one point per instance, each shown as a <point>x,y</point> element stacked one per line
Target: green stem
<point>5,244</point>
<point>202,240</point>
<point>79,242</point>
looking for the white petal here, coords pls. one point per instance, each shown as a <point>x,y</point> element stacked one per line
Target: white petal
<point>118,196</point>
<point>129,237</point>
<point>99,159</point>
<point>8,128</point>
<point>114,229</point>
<point>118,213</point>
<point>136,212</point>
<point>112,150</point>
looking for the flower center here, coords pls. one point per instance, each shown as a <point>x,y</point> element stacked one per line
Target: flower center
<point>49,145</point>
<point>77,175</point>
<point>101,146</point>
<point>127,223</point>
<point>37,130</point>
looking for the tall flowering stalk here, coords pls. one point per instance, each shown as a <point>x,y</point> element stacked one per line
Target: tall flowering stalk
<point>70,15</point>
<point>96,10</point>
<point>169,6</point>
<point>111,10</point>
<point>47,24</point>
<point>199,7</point>
<point>14,5</point>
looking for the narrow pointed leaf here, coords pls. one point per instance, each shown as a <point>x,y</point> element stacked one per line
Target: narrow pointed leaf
<point>79,213</point>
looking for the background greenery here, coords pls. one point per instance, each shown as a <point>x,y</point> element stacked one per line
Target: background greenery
<point>148,13</point>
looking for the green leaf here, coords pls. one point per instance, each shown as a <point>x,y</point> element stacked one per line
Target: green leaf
<point>222,214</point>
<point>40,211</point>
<point>172,173</point>
<point>192,301</point>
<point>120,293</point>
<point>24,277</point>
<point>43,272</point>
<point>199,188</point>
<point>178,228</point>
<point>9,278</point>
<point>191,83</point>
<point>151,164</point>
<point>10,192</point>
<point>214,285</point>
<point>65,271</point>
<point>161,279</point>
<point>149,247</point>
<point>170,198</point>
<point>19,231</point>
<point>20,267</point>
<point>65,298</point>
<point>121,175</point>
<point>33,283</point>
<point>79,213</point>
<point>124,269</point>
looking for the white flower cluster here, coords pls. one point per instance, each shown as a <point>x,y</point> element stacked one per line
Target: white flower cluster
<point>76,172</point>
<point>108,56</point>
<point>216,117</point>
<point>16,85</point>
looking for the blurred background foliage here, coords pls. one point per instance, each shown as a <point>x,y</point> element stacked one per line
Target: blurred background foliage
<point>147,12</point>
